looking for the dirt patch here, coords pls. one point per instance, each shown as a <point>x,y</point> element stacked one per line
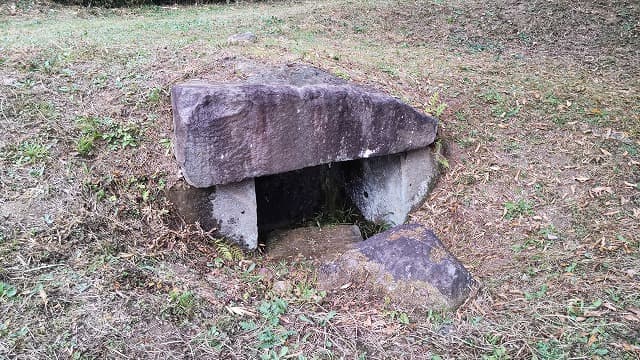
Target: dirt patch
<point>314,243</point>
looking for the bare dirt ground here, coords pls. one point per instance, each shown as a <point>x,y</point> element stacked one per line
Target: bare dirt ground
<point>541,198</point>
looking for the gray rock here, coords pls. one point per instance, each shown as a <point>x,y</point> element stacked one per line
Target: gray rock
<point>7,81</point>
<point>192,204</point>
<point>228,133</point>
<point>407,263</point>
<point>281,287</point>
<point>229,209</point>
<point>390,187</point>
<point>243,38</point>
<point>234,208</point>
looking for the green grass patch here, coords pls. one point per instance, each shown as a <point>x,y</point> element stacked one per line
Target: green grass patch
<point>31,152</point>
<point>517,209</point>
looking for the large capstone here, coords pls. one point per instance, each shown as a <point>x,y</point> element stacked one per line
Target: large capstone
<point>231,132</point>
<point>408,263</point>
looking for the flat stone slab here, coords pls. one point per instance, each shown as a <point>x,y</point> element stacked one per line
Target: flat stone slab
<point>388,188</point>
<point>228,209</point>
<point>228,133</point>
<point>408,263</point>
<point>313,242</point>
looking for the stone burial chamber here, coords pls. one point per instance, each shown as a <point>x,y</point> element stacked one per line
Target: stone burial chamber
<point>286,143</point>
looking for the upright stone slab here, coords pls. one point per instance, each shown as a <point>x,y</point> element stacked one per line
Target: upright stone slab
<point>229,209</point>
<point>234,208</point>
<point>390,187</point>
<point>228,133</point>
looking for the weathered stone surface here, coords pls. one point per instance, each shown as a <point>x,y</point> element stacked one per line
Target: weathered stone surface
<point>234,207</point>
<point>314,242</point>
<point>292,133</point>
<point>243,38</point>
<point>390,187</point>
<point>407,263</point>
<point>230,209</point>
<point>227,133</point>
<point>192,204</point>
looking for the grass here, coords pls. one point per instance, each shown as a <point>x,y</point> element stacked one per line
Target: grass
<point>539,132</point>
<point>517,209</point>
<point>181,303</point>
<point>30,152</point>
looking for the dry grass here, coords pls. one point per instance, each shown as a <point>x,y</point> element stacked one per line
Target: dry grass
<point>543,114</point>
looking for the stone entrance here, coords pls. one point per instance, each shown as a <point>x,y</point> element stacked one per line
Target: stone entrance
<point>289,142</point>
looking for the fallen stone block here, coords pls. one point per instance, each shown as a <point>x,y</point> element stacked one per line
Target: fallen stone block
<point>407,263</point>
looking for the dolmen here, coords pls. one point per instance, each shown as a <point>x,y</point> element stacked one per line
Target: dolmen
<point>229,135</point>
<point>292,140</point>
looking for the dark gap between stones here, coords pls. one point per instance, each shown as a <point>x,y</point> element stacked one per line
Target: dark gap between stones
<point>310,196</point>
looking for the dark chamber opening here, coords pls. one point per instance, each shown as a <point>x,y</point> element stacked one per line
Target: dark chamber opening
<point>312,195</point>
